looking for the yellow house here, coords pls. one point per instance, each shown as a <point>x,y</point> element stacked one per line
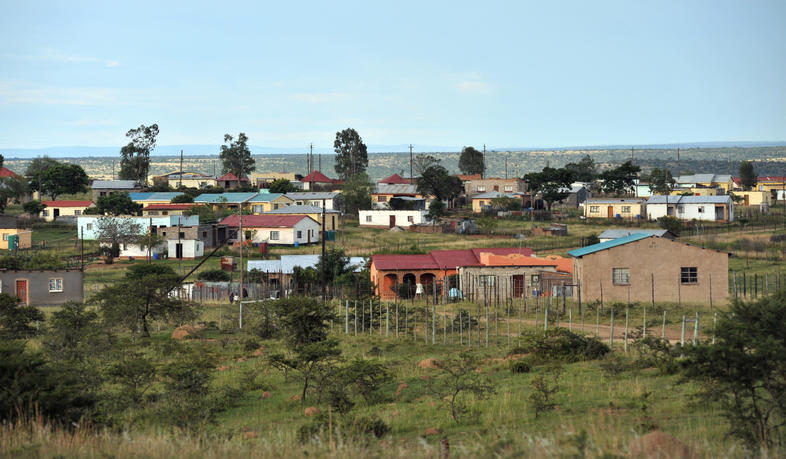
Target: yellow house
<point>775,186</point>
<point>265,202</point>
<point>694,191</point>
<point>186,179</point>
<point>484,200</point>
<point>721,181</point>
<point>21,238</point>
<point>332,217</point>
<point>615,208</point>
<point>260,178</point>
<point>754,198</point>
<point>55,209</point>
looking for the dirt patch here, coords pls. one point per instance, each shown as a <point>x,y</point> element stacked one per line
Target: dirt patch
<point>401,388</point>
<point>659,444</point>
<point>259,352</point>
<point>295,398</point>
<point>311,411</point>
<point>429,363</point>
<point>181,332</point>
<point>430,431</point>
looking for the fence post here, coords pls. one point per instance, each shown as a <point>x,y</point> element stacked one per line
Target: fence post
<point>696,329</point>
<point>346,317</point>
<point>611,332</point>
<point>356,317</point>
<point>625,345</point>
<point>396,320</point>
<point>663,327</point>
<point>546,320</point>
<point>387,319</point>
<point>682,336</point>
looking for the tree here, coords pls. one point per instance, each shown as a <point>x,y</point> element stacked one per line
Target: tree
<point>182,199</point>
<point>11,189</point>
<point>661,181</point>
<point>747,175</point>
<point>336,264</point>
<point>583,171</point>
<point>135,157</point>
<point>35,171</point>
<point>436,210</point>
<point>63,178</point>
<point>141,296</point>
<point>112,231</point>
<point>552,184</point>
<point>422,162</point>
<point>351,153</point>
<point>744,370</point>
<point>459,376</point>
<point>17,322</point>
<point>436,181</point>
<point>34,207</point>
<point>236,156</point>
<point>282,185</point>
<point>74,333</point>
<point>620,180</point>
<point>506,203</point>
<point>312,361</point>
<point>115,204</point>
<point>471,161</point>
<point>356,193</point>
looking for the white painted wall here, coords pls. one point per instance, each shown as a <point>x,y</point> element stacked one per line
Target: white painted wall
<point>687,211</point>
<point>191,248</point>
<point>304,231</point>
<point>135,251</point>
<point>404,218</point>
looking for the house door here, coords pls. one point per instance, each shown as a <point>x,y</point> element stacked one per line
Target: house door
<point>670,211</point>
<point>178,250</point>
<point>747,201</point>
<point>720,213</point>
<point>611,212</point>
<point>518,286</point>
<point>21,289</point>
<point>392,221</point>
<point>57,212</point>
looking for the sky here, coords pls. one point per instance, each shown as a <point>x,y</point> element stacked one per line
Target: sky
<point>452,73</point>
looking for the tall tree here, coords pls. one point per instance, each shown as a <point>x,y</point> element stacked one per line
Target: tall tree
<point>552,184</point>
<point>11,189</point>
<point>422,162</point>
<point>115,204</point>
<point>35,171</point>
<point>351,153</point>
<point>356,193</point>
<point>63,178</point>
<point>236,156</point>
<point>583,171</point>
<point>661,181</point>
<point>282,185</point>
<point>135,157</point>
<point>748,175</point>
<point>621,179</point>
<point>112,231</point>
<point>436,181</point>
<point>471,161</point>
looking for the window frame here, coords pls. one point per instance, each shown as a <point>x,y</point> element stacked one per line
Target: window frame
<point>625,209</point>
<point>623,278</point>
<point>594,209</point>
<point>275,235</point>
<point>689,275</point>
<point>58,281</point>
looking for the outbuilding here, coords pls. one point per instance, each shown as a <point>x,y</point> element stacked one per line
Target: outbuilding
<point>391,218</point>
<point>44,287</point>
<point>707,208</point>
<point>276,229</point>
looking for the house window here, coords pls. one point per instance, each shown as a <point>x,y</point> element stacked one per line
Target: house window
<point>689,275</point>
<point>274,235</point>
<point>103,193</point>
<point>486,281</point>
<point>152,212</point>
<point>625,209</point>
<point>481,188</point>
<point>299,234</point>
<point>508,188</point>
<point>45,213</point>
<point>594,209</point>
<point>89,226</point>
<point>77,212</point>
<point>680,209</point>
<point>481,203</point>
<point>701,209</point>
<point>181,235</point>
<point>275,206</point>
<point>5,236</point>
<point>368,218</point>
<point>204,233</point>
<point>620,276</point>
<point>382,199</point>
<point>55,285</point>
<point>411,219</point>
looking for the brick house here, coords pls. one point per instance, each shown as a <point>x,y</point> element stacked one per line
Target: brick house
<point>487,185</point>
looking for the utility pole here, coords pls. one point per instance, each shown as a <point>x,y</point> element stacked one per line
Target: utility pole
<point>506,165</point>
<point>411,162</point>
<point>632,159</point>
<point>320,162</point>
<point>241,268</point>
<point>322,263</point>
<point>483,175</point>
<point>180,185</point>
<point>678,161</point>
<point>310,159</point>
<point>113,170</point>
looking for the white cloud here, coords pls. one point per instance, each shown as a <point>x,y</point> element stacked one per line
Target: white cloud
<point>53,55</point>
<point>320,98</point>
<point>473,87</point>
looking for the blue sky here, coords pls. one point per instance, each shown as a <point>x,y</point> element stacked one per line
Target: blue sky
<point>526,74</point>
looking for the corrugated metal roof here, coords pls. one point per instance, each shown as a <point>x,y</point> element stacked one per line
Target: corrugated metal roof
<point>317,177</point>
<point>156,196</point>
<point>114,184</point>
<point>230,198</point>
<point>264,221</point>
<point>302,209</point>
<point>265,197</point>
<point>614,201</point>
<point>68,203</point>
<point>608,244</point>
<point>287,263</point>
<point>300,195</point>
<point>618,233</point>
<point>688,200</point>
<point>397,188</point>
<point>496,194</point>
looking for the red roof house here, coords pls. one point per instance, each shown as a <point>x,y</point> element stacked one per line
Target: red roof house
<point>396,179</point>
<point>230,181</point>
<point>6,172</point>
<point>318,179</point>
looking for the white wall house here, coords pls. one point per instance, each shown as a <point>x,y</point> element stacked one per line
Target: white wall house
<point>706,208</point>
<point>135,251</point>
<point>277,229</point>
<point>391,218</point>
<point>313,198</point>
<point>189,248</point>
<point>87,225</point>
<point>56,209</point>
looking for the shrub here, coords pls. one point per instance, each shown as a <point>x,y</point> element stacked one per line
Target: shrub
<point>519,366</point>
<point>656,352</point>
<point>250,345</point>
<point>564,345</point>
<point>213,275</point>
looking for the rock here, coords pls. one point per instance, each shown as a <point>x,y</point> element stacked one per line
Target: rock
<point>181,332</point>
<point>658,444</point>
<point>430,431</point>
<point>311,411</point>
<point>394,414</point>
<point>429,363</point>
<point>266,394</point>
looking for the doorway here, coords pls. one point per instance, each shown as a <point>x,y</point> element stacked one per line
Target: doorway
<point>178,250</point>
<point>610,212</point>
<point>392,221</point>
<point>21,290</point>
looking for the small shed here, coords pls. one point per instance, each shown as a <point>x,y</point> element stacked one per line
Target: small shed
<point>187,249</point>
<point>44,287</point>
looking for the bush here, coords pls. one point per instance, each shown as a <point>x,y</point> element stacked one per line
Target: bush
<point>250,345</point>
<point>564,345</point>
<point>656,352</point>
<point>519,366</point>
<point>213,275</point>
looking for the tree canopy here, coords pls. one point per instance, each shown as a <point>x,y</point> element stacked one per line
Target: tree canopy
<point>63,178</point>
<point>356,193</point>
<point>661,181</point>
<point>351,153</point>
<point>35,171</point>
<point>135,156</point>
<point>236,156</point>
<point>471,161</point>
<point>552,184</point>
<point>282,185</point>
<point>620,180</point>
<point>115,204</point>
<point>11,189</point>
<point>583,171</point>
<point>436,181</point>
<point>422,162</point>
<point>748,175</point>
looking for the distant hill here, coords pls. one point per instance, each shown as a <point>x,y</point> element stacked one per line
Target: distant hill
<point>768,160</point>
